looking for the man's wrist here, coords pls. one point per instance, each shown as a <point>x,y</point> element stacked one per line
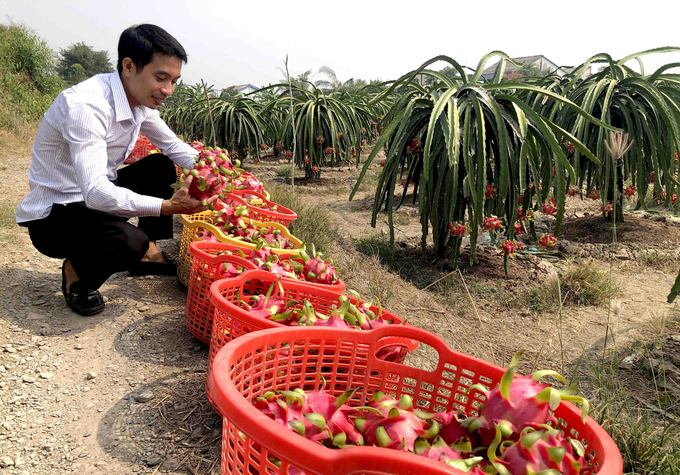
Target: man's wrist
<point>167,207</point>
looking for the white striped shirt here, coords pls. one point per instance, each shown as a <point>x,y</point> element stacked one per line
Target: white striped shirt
<point>83,139</point>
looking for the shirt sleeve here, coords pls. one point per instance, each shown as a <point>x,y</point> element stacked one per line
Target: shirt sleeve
<point>85,132</point>
<point>158,132</point>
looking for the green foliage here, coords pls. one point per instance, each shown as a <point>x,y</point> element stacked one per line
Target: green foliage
<point>313,224</point>
<point>284,171</point>
<point>28,81</point>
<point>79,62</point>
<point>460,135</point>
<point>646,107</point>
<point>229,93</point>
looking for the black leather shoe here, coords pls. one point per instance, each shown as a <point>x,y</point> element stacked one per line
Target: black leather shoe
<point>83,301</point>
<point>154,268</point>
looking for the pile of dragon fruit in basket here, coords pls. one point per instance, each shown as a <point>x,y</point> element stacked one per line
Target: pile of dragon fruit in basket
<point>514,434</point>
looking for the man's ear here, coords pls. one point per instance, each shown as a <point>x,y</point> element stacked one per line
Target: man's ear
<point>129,67</point>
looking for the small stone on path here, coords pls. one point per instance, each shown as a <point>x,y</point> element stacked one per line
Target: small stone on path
<point>46,375</point>
<point>91,375</point>
<point>28,379</point>
<point>145,396</point>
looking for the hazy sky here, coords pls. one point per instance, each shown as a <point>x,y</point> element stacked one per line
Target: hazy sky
<point>241,42</point>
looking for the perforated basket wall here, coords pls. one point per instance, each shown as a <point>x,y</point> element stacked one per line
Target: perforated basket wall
<point>289,358</point>
<point>231,320</point>
<point>191,224</point>
<point>205,269</point>
<point>142,148</point>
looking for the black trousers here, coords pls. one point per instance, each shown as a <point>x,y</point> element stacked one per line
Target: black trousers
<point>100,244</point>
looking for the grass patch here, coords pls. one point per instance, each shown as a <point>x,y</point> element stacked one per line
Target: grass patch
<point>7,216</point>
<point>378,246</point>
<point>584,285</point>
<point>648,437</point>
<point>581,284</point>
<point>313,224</point>
<point>369,183</point>
<point>283,171</point>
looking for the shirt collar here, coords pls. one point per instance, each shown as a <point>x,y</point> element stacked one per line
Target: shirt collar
<point>120,101</point>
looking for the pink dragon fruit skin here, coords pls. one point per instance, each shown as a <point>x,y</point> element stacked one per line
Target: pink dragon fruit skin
<point>394,424</point>
<point>315,269</point>
<point>228,270</point>
<point>399,430</point>
<point>451,430</point>
<point>517,403</point>
<point>454,455</point>
<point>206,235</point>
<point>544,451</point>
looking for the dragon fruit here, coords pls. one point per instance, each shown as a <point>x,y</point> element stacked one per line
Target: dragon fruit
<point>399,428</point>
<point>517,403</point>
<point>228,270</point>
<point>315,269</point>
<point>249,183</point>
<point>205,235</point>
<point>538,451</point>
<point>451,455</point>
<point>265,259</point>
<point>452,431</point>
<point>270,306</point>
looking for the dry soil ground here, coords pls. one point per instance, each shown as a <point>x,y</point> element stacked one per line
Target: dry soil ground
<point>122,392</point>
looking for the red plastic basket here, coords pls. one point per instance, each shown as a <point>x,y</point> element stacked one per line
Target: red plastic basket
<point>288,358</point>
<point>231,321</point>
<point>142,148</point>
<point>282,215</point>
<point>205,263</point>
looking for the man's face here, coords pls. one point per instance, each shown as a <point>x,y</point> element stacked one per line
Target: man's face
<point>154,83</point>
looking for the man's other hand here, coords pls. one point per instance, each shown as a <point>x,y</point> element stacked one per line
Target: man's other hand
<point>182,203</point>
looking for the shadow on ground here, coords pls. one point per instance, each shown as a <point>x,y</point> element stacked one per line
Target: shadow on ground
<point>176,431</point>
<point>162,339</point>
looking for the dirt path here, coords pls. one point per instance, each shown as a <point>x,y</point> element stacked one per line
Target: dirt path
<point>122,392</point>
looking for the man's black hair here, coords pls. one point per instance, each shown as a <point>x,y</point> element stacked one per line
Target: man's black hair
<point>140,42</point>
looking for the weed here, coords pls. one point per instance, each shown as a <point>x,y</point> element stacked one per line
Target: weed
<point>283,171</point>
<point>647,440</point>
<point>313,224</point>
<point>584,285</point>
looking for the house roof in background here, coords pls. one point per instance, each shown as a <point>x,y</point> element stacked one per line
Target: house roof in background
<point>509,67</point>
<point>243,86</point>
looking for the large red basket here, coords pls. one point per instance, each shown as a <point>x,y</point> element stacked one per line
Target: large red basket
<point>231,321</point>
<point>205,263</point>
<point>288,358</point>
<point>142,148</point>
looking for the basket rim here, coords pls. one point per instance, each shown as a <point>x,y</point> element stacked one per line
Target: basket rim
<point>222,303</point>
<point>195,249</point>
<point>234,407</point>
<point>188,223</point>
<point>282,212</point>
